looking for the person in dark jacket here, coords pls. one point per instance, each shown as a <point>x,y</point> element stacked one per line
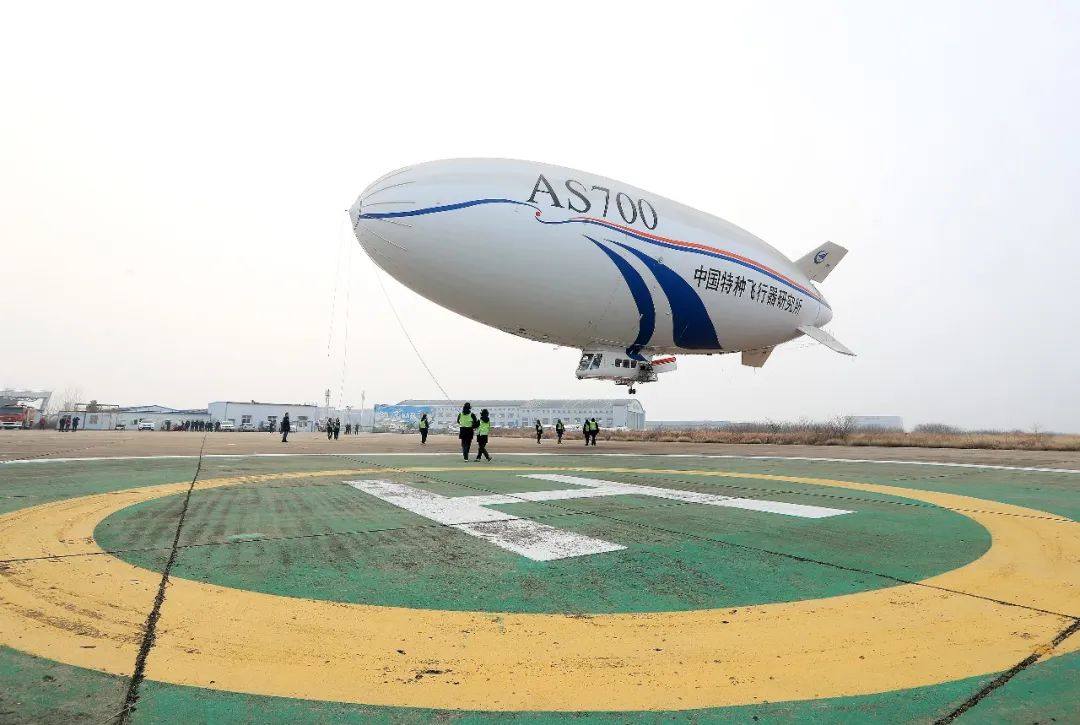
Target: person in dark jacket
<point>594,428</point>
<point>337,428</point>
<point>483,431</point>
<point>559,429</point>
<point>586,431</point>
<point>467,423</point>
<point>75,424</point>
<point>286,426</point>
<point>539,431</point>
<point>423,426</point>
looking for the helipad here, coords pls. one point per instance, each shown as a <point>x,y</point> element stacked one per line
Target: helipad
<point>395,587</point>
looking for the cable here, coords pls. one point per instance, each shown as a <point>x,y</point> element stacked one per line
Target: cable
<point>378,276</point>
<point>345,351</point>
<point>333,291</point>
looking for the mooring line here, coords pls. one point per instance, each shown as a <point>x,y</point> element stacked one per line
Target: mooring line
<point>150,628</point>
<point>1012,672</point>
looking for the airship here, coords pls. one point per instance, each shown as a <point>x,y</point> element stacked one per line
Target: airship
<point>566,257</point>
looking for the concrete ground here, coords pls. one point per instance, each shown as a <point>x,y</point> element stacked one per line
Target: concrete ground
<point>52,444</point>
<point>142,583</point>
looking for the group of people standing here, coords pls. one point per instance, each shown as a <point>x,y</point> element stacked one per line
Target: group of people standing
<point>200,426</point>
<point>470,426</point>
<point>588,430</point>
<point>67,423</point>
<point>333,428</point>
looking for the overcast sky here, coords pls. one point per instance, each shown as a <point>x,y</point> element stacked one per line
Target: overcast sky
<point>174,179</point>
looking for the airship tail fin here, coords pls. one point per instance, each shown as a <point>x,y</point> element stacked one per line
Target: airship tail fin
<point>825,339</point>
<point>820,261</point>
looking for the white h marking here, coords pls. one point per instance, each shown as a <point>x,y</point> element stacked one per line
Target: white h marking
<point>541,542</point>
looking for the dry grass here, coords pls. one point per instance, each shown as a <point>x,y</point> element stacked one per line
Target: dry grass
<point>837,433</point>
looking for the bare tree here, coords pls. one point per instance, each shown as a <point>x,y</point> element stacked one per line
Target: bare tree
<point>71,395</point>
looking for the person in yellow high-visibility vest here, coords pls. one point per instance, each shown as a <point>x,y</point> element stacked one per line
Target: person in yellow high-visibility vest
<point>559,429</point>
<point>483,431</point>
<point>594,428</point>
<point>467,423</point>
<point>423,426</point>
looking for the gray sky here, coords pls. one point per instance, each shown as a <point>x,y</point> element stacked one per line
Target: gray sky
<point>173,183</point>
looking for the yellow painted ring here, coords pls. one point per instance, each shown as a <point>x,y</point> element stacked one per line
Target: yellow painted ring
<point>88,609</point>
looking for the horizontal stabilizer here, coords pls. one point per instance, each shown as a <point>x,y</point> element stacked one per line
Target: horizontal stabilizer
<point>825,339</point>
<point>756,358</point>
<point>817,264</point>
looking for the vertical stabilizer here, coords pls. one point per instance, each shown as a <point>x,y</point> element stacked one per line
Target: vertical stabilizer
<point>817,264</point>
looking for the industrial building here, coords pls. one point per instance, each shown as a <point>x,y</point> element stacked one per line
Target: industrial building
<point>878,422</point>
<point>609,413</point>
<point>101,416</point>
<point>161,416</point>
<point>687,424</point>
<point>302,416</point>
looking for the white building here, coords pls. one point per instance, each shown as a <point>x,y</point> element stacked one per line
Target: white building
<point>878,422</point>
<point>163,417</point>
<point>609,413</point>
<point>99,416</point>
<point>687,424</point>
<point>302,416</point>
<point>111,417</point>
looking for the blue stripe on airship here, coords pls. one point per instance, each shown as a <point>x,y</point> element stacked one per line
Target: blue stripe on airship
<point>642,298</point>
<point>437,209</point>
<point>757,267</point>
<point>692,329</point>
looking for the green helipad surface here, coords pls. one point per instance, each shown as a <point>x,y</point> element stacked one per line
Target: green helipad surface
<point>293,528</point>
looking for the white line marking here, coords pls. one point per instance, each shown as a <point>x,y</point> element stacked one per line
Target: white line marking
<point>709,499</point>
<point>537,541</point>
<point>988,466</point>
<point>540,542</point>
<point>468,514</point>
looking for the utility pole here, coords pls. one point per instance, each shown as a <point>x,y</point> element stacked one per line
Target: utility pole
<point>363,396</point>
<point>327,415</point>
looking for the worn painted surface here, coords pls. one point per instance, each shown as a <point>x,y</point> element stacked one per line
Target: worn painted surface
<point>675,560</point>
<point>300,535</point>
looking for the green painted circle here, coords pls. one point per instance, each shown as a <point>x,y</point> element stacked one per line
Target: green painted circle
<point>319,538</point>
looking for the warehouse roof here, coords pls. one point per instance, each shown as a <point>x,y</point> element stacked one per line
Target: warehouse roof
<point>537,403</point>
<point>259,402</point>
